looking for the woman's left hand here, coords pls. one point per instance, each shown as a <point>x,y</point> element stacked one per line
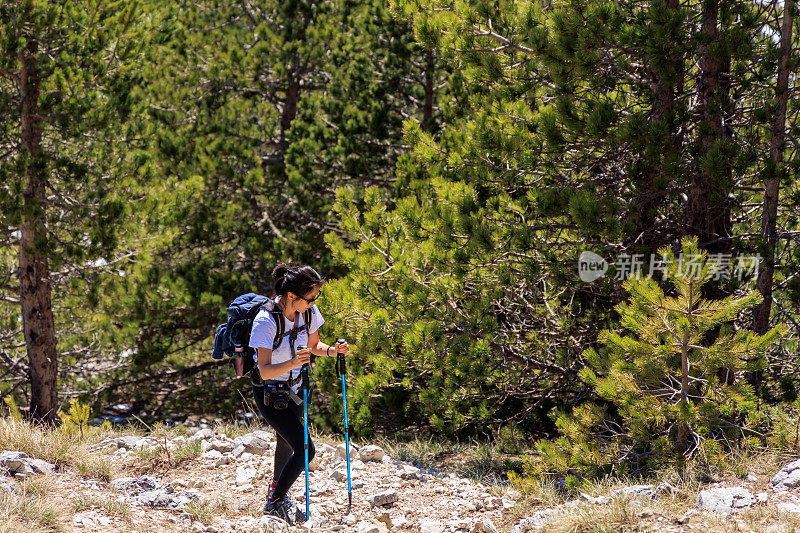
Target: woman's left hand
<point>343,348</point>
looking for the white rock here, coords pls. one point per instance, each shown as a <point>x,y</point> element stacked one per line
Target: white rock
<point>383,498</point>
<point>341,451</point>
<point>484,526</point>
<point>371,453</point>
<point>430,526</point>
<point>599,500</point>
<point>790,481</point>
<point>400,522</point>
<point>367,527</point>
<point>637,491</point>
<point>324,449</point>
<point>408,472</point>
<point>271,524</point>
<point>222,445</point>
<point>788,507</point>
<point>493,503</point>
<point>245,474</point>
<point>725,500</point>
<point>257,443</point>
<point>212,455</point>
<point>533,522</point>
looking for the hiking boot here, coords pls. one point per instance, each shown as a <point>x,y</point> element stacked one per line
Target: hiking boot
<point>271,490</point>
<point>281,508</point>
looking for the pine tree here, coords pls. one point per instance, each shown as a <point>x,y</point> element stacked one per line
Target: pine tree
<point>258,111</point>
<point>567,126</point>
<point>68,86</point>
<point>659,397</point>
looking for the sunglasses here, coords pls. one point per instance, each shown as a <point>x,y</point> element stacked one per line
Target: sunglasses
<point>311,301</point>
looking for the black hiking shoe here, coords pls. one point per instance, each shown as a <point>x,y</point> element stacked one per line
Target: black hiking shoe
<point>281,508</point>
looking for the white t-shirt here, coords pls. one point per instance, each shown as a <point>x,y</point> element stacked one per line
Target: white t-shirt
<point>263,332</point>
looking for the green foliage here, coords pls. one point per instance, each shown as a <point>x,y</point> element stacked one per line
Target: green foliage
<point>76,419</point>
<point>13,410</point>
<point>659,396</point>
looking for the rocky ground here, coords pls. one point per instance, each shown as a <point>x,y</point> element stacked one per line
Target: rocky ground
<point>208,481</point>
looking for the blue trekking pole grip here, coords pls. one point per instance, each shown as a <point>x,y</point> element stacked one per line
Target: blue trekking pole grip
<point>304,373</point>
<point>340,366</point>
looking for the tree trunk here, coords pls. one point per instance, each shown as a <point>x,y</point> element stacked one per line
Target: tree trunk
<point>34,269</point>
<point>708,213</point>
<point>667,83</point>
<point>427,107</point>
<point>289,108</point>
<point>683,428</point>
<point>769,216</point>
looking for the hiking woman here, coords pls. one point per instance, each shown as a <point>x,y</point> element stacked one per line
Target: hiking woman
<point>297,288</point>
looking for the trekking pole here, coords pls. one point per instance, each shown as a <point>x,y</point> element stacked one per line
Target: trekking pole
<point>340,366</point>
<point>304,373</point>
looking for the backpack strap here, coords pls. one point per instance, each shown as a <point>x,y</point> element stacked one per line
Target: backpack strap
<point>277,315</point>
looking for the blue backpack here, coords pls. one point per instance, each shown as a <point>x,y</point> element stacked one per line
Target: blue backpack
<point>233,338</point>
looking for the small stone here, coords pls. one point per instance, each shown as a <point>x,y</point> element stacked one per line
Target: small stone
<point>486,526</point>
<point>788,507</point>
<point>245,474</point>
<point>212,455</point>
<point>637,491</point>
<point>493,503</point>
<point>8,486</point>
<point>408,472</point>
<point>430,526</point>
<point>41,467</point>
<point>271,524</point>
<point>341,451</point>
<point>599,500</point>
<point>324,449</point>
<point>205,433</point>
<point>383,498</point>
<point>339,475</point>
<point>367,527</point>
<point>371,453</point>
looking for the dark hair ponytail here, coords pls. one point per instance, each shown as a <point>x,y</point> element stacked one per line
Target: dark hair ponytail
<point>299,280</point>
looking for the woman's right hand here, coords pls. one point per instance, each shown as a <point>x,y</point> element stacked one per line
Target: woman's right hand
<point>303,357</point>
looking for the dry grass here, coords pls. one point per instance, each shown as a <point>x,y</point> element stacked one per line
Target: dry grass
<point>31,510</point>
<point>58,446</point>
<point>206,511</point>
<point>619,516</point>
<point>159,457</point>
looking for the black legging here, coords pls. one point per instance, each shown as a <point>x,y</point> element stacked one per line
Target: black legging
<point>289,449</point>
